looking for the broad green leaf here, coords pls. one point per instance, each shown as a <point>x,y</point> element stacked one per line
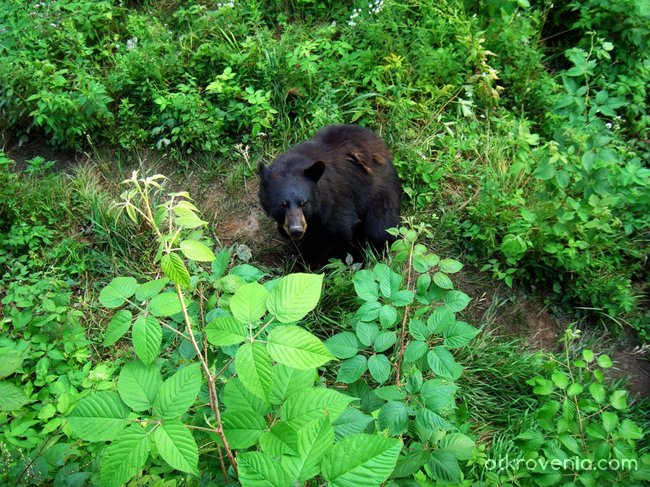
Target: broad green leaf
<point>343,345</point>
<point>367,333</point>
<point>257,469</point>
<point>415,350</point>
<point>369,311</point>
<point>379,367</point>
<point>297,348</point>
<point>440,319</point>
<point>288,381</point>
<point>147,338</point>
<point>238,398</point>
<point>365,285</point>
<point>409,464</point>
<point>588,355</point>
<point>360,460</point>
<point>570,443</point>
<point>253,366</point>
<point>574,389</point>
<point>138,385</point>
<point>165,304</point>
<point>294,296</point>
<point>390,393</point>
<point>610,421</point>
<point>384,341</point>
<point>560,379</point>
<point>402,298</point>
<point>178,392</point>
<point>393,417</point>
<point>10,362</point>
<point>99,417</point>
<point>458,445</point>
<point>443,466</point>
<point>225,331</point>
<point>604,361</point>
<point>176,446</point>
<point>195,250</point>
<point>186,218</point>
<point>456,300</point>
<point>352,369</point>
<point>125,456</point>
<point>427,420</point>
<point>314,441</point>
<point>450,266</point>
<point>597,391</point>
<point>618,400</point>
<point>458,334</point>
<point>630,431</point>
<point>351,422</point>
<point>443,364</point>
<point>174,268</point>
<point>439,394</point>
<point>442,280</point>
<point>248,304</point>
<point>243,428</point>
<point>117,292</point>
<point>149,289</point>
<point>387,316</point>
<point>312,404</point>
<point>281,439</point>
<point>247,272</point>
<point>13,398</point>
<point>117,327</point>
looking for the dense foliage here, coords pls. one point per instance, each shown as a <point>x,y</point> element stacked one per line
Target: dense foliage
<point>134,345</point>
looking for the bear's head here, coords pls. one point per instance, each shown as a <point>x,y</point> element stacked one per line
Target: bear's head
<point>289,194</point>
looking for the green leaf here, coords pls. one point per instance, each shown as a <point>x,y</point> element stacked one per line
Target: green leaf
<point>238,398</point>
<point>253,366</point>
<point>117,327</point>
<point>450,266</point>
<point>604,361</point>
<point>13,398</point>
<point>458,334</point>
<point>588,355</point>
<point>363,457</point>
<point>10,362</point>
<point>610,421</point>
<point>570,443</point>
<point>560,379</point>
<point>149,289</point>
<point>367,333</point>
<point>630,431</point>
<point>165,304</point>
<point>440,319</point>
<point>419,330</point>
<point>117,292</point>
<point>618,400</point>
<point>574,389</point>
<point>294,296</point>
<point>351,422</point>
<point>125,456</point>
<point>443,364</point>
<point>138,385</point>
<point>597,391</point>
<point>174,268</point>
<point>195,250</point>
<point>458,445</point>
<point>248,304</point>
<point>456,300</point>
<point>314,441</point>
<point>99,417</point>
<point>258,469</point>
<point>352,369</point>
<point>415,350</point>
<point>343,345</point>
<point>177,447</point>
<point>247,272</point>
<point>178,392</point>
<point>379,367</point>
<point>243,428</point>
<point>438,395</point>
<point>186,218</point>
<point>312,404</point>
<point>384,341</point>
<point>225,331</point>
<point>297,348</point>
<point>365,285</point>
<point>147,338</point>
<point>387,316</point>
<point>288,381</point>
<point>442,280</point>
<point>281,439</point>
<point>443,466</point>
<point>393,417</point>
<point>402,298</point>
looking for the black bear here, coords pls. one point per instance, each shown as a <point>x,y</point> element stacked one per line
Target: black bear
<point>334,193</point>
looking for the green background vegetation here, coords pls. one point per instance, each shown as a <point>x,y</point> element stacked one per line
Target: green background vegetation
<point>520,134</point>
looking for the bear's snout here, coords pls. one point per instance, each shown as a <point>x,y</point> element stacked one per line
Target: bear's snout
<point>294,223</point>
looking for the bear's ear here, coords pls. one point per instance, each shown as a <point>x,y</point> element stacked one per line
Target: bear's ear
<point>263,171</point>
<point>315,171</point>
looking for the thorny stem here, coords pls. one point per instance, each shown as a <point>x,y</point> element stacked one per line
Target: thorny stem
<point>404,319</point>
<point>575,398</point>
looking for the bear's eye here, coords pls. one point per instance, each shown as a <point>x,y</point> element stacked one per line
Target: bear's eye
<point>302,203</point>
<point>284,205</point>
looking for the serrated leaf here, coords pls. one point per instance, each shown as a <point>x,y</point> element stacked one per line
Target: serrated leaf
<point>450,266</point>
<point>560,379</point>
<point>415,350</point>
<point>257,469</point>
<point>443,466</point>
<point>442,280</point>
<point>604,361</point>
<point>343,345</point>
<point>247,272</point>
<point>351,422</point>
<point>384,341</point>
<point>367,333</point>
<point>294,296</point>
<point>297,348</point>
<point>458,444</point>
<point>117,292</point>
<point>253,366</point>
<point>379,367</point>
<point>439,319</point>
<point>238,398</point>
<point>147,338</point>
<point>99,417</point>
<point>165,304</point>
<point>125,456</point>
<point>360,459</point>
<point>195,250</point>
<point>13,398</point>
<point>225,331</point>
<point>393,416</point>
<point>352,369</point>
<point>456,300</point>
<point>177,446</point>
<point>365,285</point>
<point>149,289</point>
<point>248,304</point>
<point>243,428</point>
<point>312,404</point>
<point>314,441</point>
<point>438,394</point>
<point>174,268</point>
<point>288,381</point>
<point>281,439</point>
<point>618,400</point>
<point>10,362</point>
<point>186,218</point>
<point>117,327</point>
<point>387,316</point>
<point>138,385</point>
<point>458,334</point>
<point>402,298</point>
<point>178,392</point>
<point>443,364</point>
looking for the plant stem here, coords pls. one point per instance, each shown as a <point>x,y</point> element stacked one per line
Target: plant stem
<point>400,357</point>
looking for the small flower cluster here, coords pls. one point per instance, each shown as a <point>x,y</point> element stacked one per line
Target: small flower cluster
<point>374,7</point>
<point>131,43</point>
<point>228,3</point>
